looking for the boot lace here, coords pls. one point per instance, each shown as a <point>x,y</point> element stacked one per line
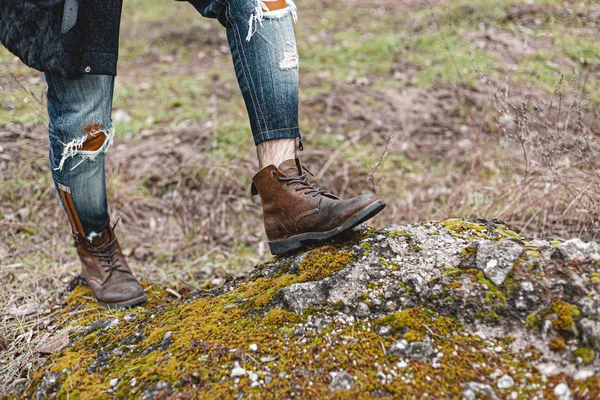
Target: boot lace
<point>108,255</point>
<point>303,184</point>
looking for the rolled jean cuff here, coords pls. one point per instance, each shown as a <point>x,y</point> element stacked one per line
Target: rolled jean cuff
<point>283,133</point>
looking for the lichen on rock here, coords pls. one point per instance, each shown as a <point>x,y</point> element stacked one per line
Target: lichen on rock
<point>402,312</point>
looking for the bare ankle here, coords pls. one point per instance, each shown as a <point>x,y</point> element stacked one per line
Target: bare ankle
<point>274,152</point>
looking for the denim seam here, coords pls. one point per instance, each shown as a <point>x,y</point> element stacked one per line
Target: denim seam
<point>263,136</point>
<point>251,88</point>
<point>275,130</point>
<point>58,175</point>
<point>61,118</point>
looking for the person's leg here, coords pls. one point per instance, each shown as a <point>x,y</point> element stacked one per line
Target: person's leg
<point>263,47</point>
<point>81,132</point>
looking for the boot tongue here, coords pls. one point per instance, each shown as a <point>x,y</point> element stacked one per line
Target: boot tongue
<point>291,167</point>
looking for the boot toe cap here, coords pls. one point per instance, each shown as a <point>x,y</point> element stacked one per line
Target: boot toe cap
<point>121,293</point>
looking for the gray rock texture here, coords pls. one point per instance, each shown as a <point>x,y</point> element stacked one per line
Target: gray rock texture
<point>496,259</point>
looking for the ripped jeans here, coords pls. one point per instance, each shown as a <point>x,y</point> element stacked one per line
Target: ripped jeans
<point>265,59</point>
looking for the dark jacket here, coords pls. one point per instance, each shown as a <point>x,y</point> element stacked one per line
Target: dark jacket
<point>31,29</point>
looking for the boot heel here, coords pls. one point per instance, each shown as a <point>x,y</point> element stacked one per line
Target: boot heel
<point>284,246</point>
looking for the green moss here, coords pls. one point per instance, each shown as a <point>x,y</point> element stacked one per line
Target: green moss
<point>586,354</point>
<point>596,278</point>
<point>487,315</point>
<point>399,233</point>
<point>510,285</point>
<point>493,296</point>
<point>277,316</point>
<point>413,335</point>
<point>533,321</point>
<point>564,321</point>
<point>365,245</point>
<point>557,344</point>
<point>460,225</point>
<point>448,270</point>
<point>468,251</point>
<point>533,253</point>
<point>418,319</point>
<point>322,262</point>
<point>504,232</point>
<point>454,285</point>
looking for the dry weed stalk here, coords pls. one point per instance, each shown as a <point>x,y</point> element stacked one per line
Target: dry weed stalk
<point>561,156</point>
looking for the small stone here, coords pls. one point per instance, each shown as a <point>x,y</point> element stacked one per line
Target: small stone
<point>162,385</point>
<point>268,379</point>
<point>133,382</point>
<point>496,259</point>
<point>472,389</point>
<point>237,371</point>
<point>590,306</point>
<point>496,374</point>
<point>505,382</point>
<point>129,317</point>
<point>417,350</point>
<point>253,347</point>
<point>402,364</point>
<point>390,306</point>
<point>383,330</point>
<point>583,374</point>
<point>295,268</point>
<point>114,382</point>
<point>590,331</point>
<point>253,377</point>
<point>526,287</point>
<point>110,323</point>
<point>562,391</point>
<point>399,347</point>
<point>548,369</point>
<point>299,330</point>
<point>362,310</point>
<point>341,380</point>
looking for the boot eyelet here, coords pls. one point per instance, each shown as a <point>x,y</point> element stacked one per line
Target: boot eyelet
<point>272,173</point>
<point>278,179</point>
<point>287,184</point>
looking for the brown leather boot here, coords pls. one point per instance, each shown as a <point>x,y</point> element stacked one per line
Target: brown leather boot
<point>107,272</point>
<point>297,214</point>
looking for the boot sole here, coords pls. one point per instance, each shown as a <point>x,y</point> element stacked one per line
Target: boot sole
<point>307,239</point>
<point>125,304</point>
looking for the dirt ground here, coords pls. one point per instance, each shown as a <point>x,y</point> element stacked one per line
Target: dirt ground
<point>442,108</point>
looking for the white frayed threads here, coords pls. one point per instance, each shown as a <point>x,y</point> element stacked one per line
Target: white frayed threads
<point>93,235</point>
<point>74,148</point>
<point>262,11</point>
<point>289,61</point>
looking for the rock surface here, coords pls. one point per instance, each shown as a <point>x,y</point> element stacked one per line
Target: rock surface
<point>453,309</point>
